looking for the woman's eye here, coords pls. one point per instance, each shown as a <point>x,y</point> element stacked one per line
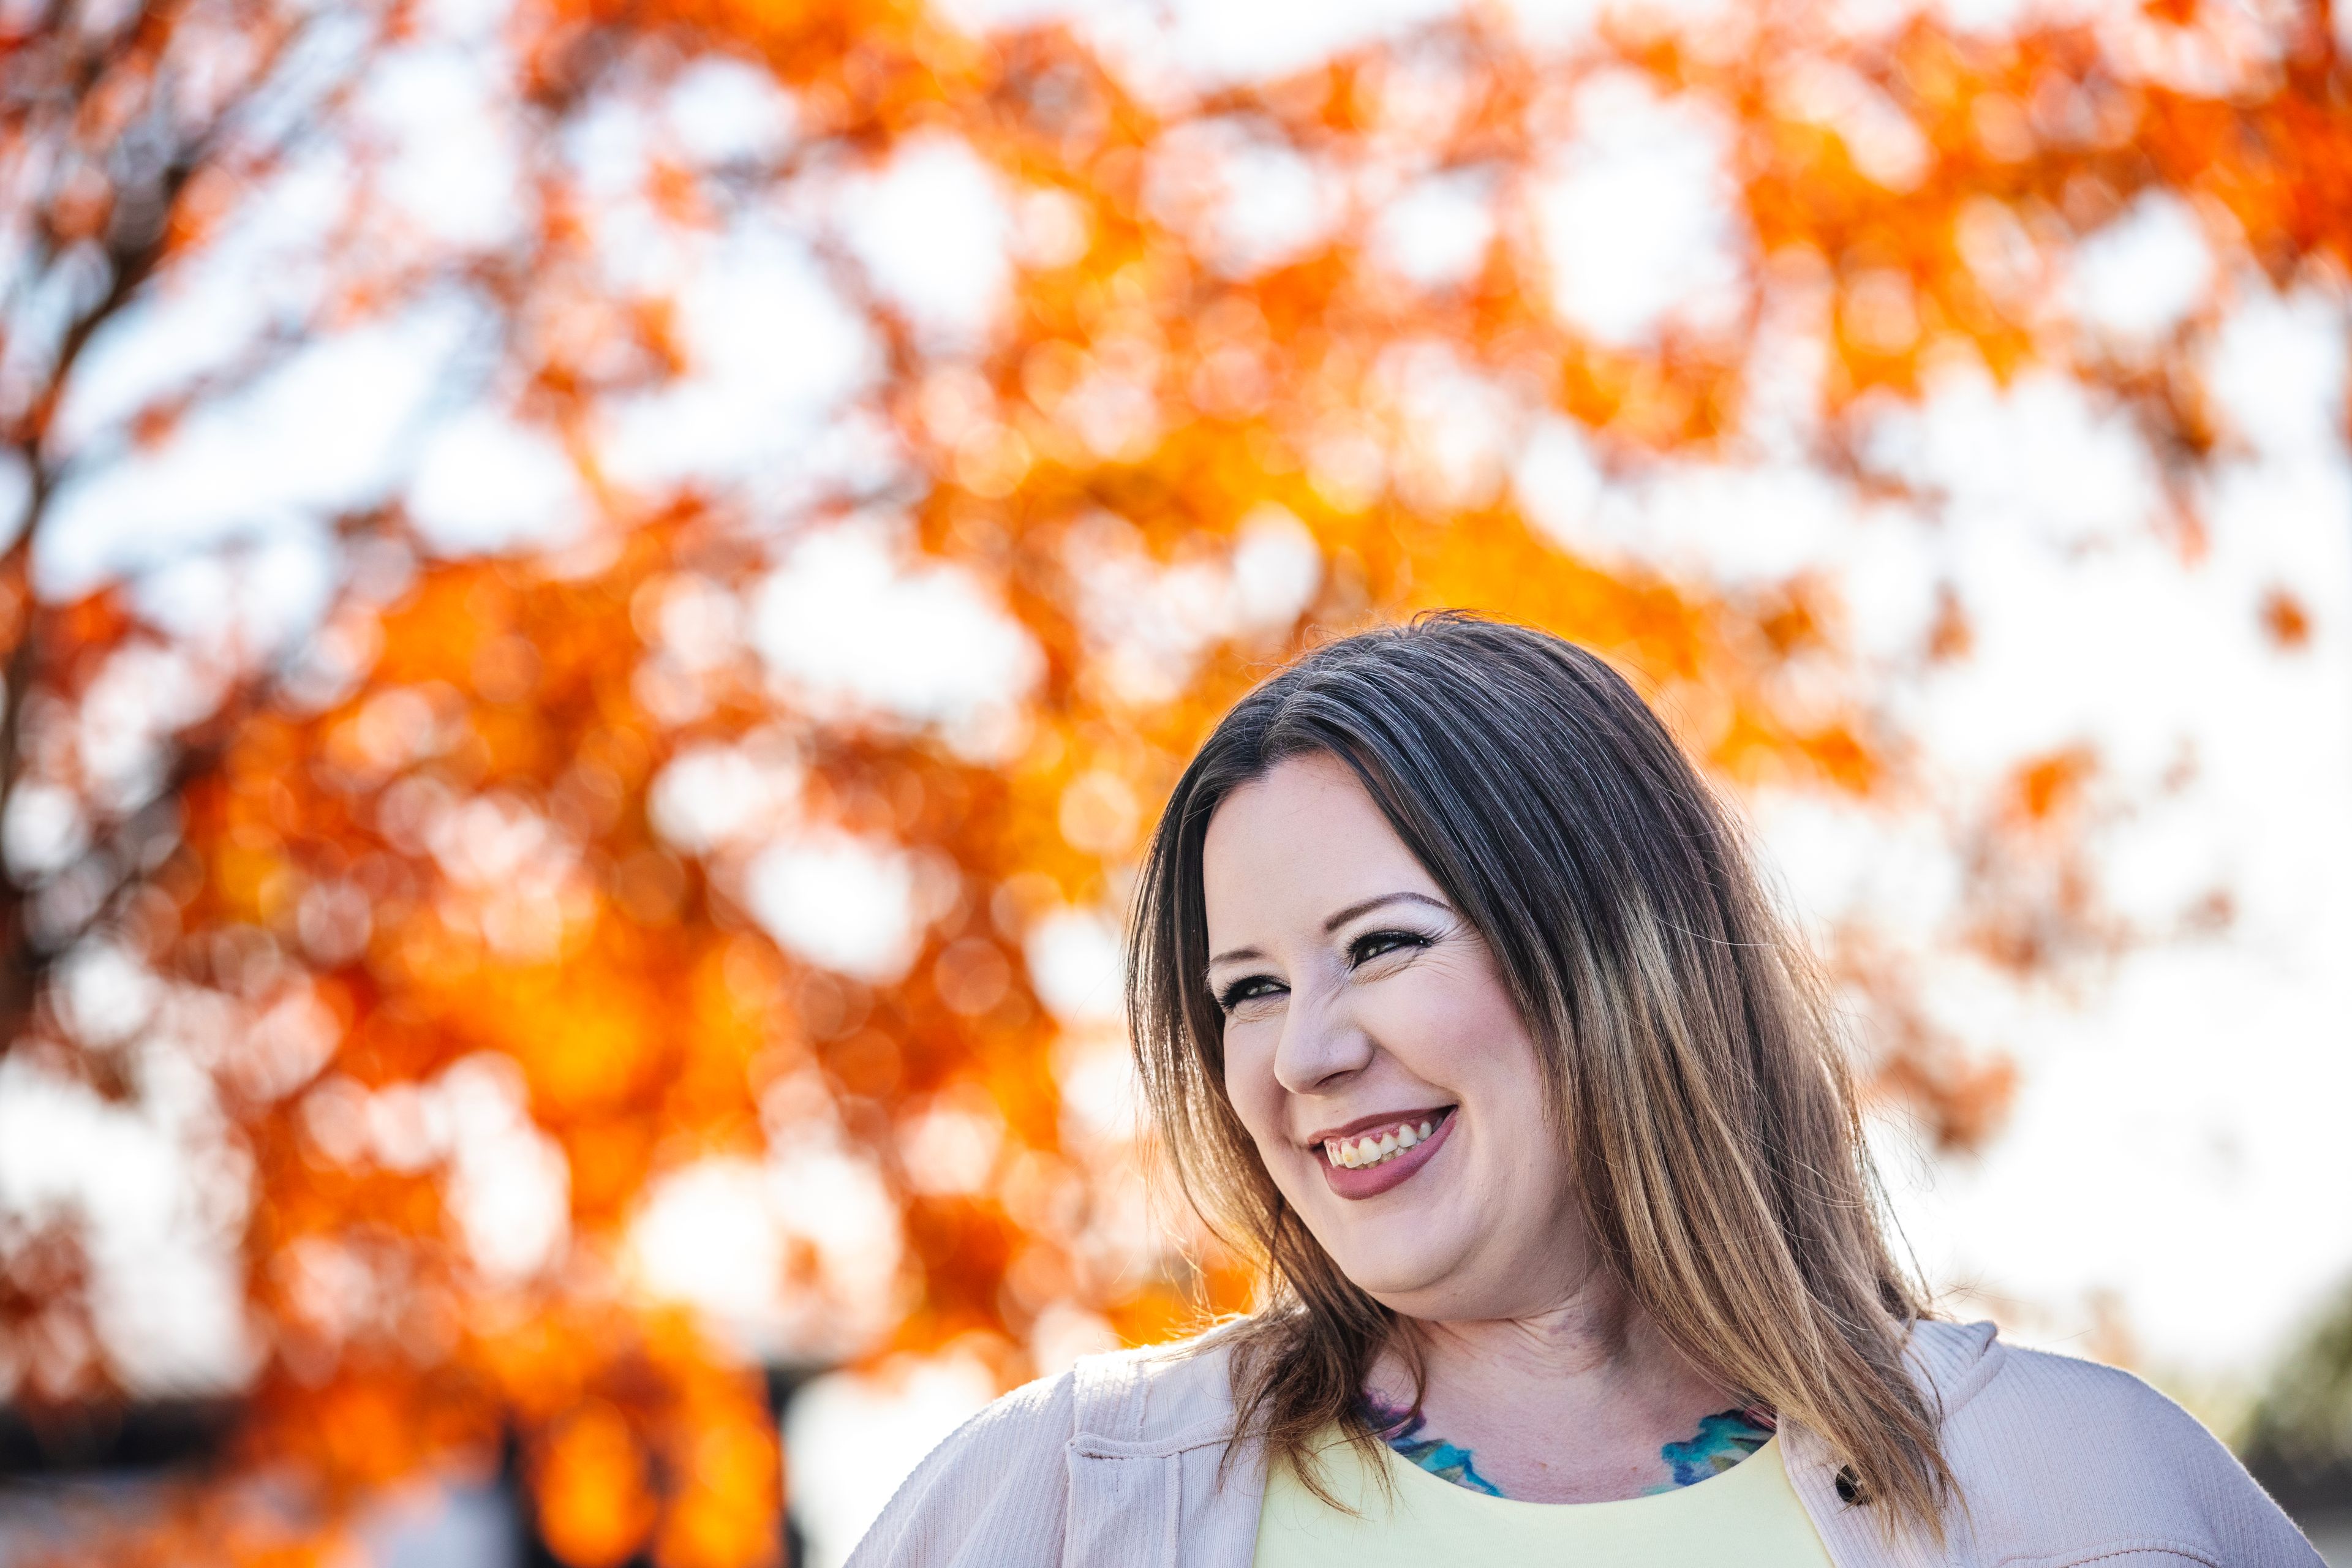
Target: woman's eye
<point>1373,944</point>
<point>1248,990</point>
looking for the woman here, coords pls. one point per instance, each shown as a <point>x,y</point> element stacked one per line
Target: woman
<point>1458,1006</point>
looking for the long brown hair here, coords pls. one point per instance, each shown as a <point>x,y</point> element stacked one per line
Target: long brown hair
<point>1693,1073</point>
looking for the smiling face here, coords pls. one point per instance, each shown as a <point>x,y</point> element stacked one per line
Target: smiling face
<point>1361,1008</point>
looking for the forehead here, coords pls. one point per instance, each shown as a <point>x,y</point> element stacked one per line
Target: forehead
<point>1295,845</point>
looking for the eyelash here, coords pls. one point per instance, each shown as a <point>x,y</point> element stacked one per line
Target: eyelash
<point>1360,952</point>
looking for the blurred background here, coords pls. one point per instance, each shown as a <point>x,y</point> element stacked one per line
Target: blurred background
<point>597,598</point>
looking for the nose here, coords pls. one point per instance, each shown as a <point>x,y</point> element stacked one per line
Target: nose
<point>1320,1045</point>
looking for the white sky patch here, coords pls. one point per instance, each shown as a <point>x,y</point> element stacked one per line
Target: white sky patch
<point>46,829</point>
<point>850,1437</point>
<point>849,623</point>
<point>1452,426</point>
<point>143,694</point>
<point>1739,523</point>
<point>1436,230</point>
<point>1233,40</point>
<point>462,20</point>
<point>2139,276</point>
<point>950,1146</point>
<point>932,226</point>
<point>325,432</point>
<point>1553,23</point>
<point>795,1257</point>
<point>1149,622</point>
<point>608,149</point>
<point>1731,523</point>
<point>249,601</point>
<point>205,313</point>
<point>510,1186</point>
<point>487,481</point>
<point>1245,199</point>
<point>1073,963</point>
<point>105,994</point>
<point>1102,1104</point>
<point>455,174</point>
<point>1062,1333</point>
<point>2036,456</point>
<point>842,903</point>
<point>725,110</point>
<point>706,1236</point>
<point>710,795</point>
<point>1637,215</point>
<point>1277,567</point>
<point>1710,29</point>
<point>771,352</point>
<point>1994,17</point>
<point>1885,572</point>
<point>163,1220</point>
<point>2278,371</point>
<point>1559,483</point>
<point>831,1199</point>
<point>1152,621</point>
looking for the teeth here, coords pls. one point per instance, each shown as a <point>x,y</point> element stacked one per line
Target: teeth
<point>1355,1154</point>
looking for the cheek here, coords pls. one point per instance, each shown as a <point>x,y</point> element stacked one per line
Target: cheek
<point>1459,1033</point>
<point>1249,1077</point>
<point>1455,1026</point>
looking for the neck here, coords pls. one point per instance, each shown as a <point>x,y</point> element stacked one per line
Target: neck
<point>1570,1402</point>
<point>1594,1338</point>
<point>1594,1332</point>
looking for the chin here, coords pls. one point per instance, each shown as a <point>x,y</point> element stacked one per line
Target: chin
<point>1396,1278</point>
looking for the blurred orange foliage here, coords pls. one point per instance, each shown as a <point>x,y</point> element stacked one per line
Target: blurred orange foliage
<point>413,881</point>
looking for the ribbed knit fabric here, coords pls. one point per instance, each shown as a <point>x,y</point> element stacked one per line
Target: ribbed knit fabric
<point>1116,1463</point>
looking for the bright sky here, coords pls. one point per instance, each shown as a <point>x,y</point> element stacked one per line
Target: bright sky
<point>2168,1169</point>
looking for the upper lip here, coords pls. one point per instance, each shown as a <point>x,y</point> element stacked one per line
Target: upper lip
<point>1379,1119</point>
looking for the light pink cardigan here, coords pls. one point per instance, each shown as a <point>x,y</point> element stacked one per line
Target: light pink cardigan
<point>1114,1464</point>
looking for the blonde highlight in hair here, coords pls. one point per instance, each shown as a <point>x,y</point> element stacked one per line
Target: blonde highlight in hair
<point>1692,1069</point>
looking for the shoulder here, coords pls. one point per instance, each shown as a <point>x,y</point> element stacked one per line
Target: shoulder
<point>1158,1399</point>
<point>2056,1457</point>
<point>997,1488</point>
<point>995,1478</point>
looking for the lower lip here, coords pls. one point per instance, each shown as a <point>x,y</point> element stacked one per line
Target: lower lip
<point>1371,1181</point>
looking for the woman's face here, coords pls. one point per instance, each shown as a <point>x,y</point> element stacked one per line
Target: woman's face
<point>1376,1058</point>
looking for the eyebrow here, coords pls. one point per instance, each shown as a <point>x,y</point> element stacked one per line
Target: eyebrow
<point>1340,918</point>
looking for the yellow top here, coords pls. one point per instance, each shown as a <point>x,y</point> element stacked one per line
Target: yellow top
<point>1747,1516</point>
